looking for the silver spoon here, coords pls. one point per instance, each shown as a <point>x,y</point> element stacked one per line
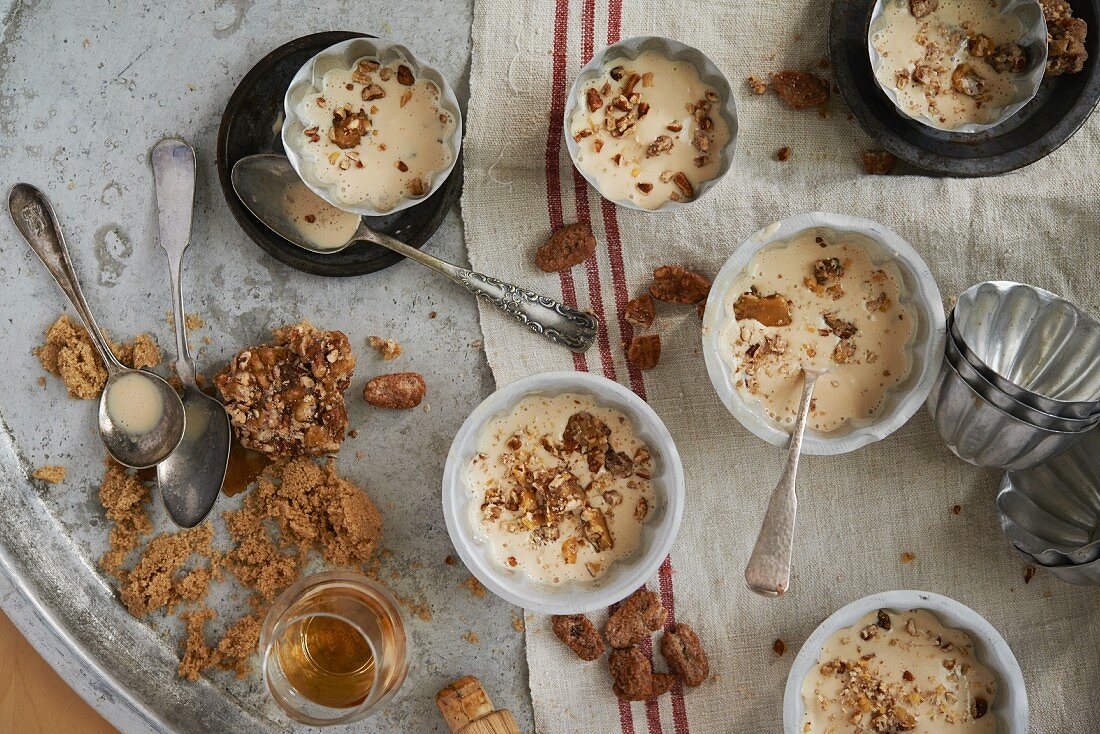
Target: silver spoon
<point>768,572</point>
<point>137,448</point>
<point>262,180</point>
<point>190,480</point>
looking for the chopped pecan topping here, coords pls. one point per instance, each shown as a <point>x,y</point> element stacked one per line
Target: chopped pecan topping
<point>348,129</point>
<point>405,76</point>
<point>661,144</point>
<point>592,99</point>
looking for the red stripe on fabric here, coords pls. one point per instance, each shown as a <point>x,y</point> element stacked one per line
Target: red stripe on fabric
<point>618,282</point>
<point>614,21</point>
<point>553,153</point>
<point>652,705</point>
<point>664,582</point>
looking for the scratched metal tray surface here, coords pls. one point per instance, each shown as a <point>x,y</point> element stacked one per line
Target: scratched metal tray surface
<point>86,88</point>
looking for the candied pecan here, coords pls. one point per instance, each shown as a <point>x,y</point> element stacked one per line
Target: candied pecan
<point>363,70</point>
<point>1065,38</point>
<point>880,303</point>
<point>661,144</point>
<point>619,464</point>
<point>844,352</point>
<point>617,73</point>
<point>634,679</point>
<point>828,270</point>
<point>633,621</point>
<point>568,246</point>
<point>685,655</point>
<point>417,187</point>
<point>883,620</point>
<point>640,311</point>
<point>678,285</point>
<point>800,90</point>
<point>579,634</point>
<point>966,80</point>
<point>645,187</point>
<point>400,390</point>
<point>644,351</point>
<point>596,532</point>
<point>681,181</point>
<point>877,162</point>
<point>348,129</point>
<point>921,8</point>
<point>1009,57</point>
<point>592,99</point>
<point>840,327</point>
<point>405,76</point>
<point>701,141</point>
<point>757,85</point>
<point>373,91</point>
<point>585,433</point>
<point>980,46</point>
<point>783,154</point>
<point>925,74</point>
<point>981,707</point>
<point>770,310</point>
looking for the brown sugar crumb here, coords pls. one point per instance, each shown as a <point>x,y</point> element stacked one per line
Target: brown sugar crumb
<point>517,622</point>
<point>686,657</point>
<point>640,311</point>
<point>286,398</point>
<point>800,90</point>
<point>908,557</point>
<point>386,348</point>
<point>957,510</point>
<point>418,607</point>
<point>158,579</point>
<point>50,474</point>
<point>639,615</point>
<point>471,637</point>
<point>450,560</point>
<point>197,655</point>
<point>238,643</point>
<point>634,679</point>
<point>578,633</point>
<point>921,8</point>
<point>1029,573</point>
<point>779,647</point>
<point>123,497</point>
<point>877,162</point>
<point>68,353</point>
<point>783,154</point>
<point>474,586</point>
<point>757,85</point>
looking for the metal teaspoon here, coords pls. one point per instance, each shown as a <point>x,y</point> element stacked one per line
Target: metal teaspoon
<point>261,182</point>
<point>768,572</point>
<point>34,218</point>
<point>190,480</point>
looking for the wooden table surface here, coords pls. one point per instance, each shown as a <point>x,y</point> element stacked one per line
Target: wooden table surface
<point>33,698</point>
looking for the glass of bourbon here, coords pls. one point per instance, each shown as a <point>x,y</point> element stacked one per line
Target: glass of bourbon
<point>334,648</point>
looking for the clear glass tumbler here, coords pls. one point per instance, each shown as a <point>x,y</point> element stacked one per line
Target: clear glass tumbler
<point>333,648</point>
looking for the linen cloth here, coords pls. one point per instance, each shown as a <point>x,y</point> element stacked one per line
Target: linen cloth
<point>858,513</point>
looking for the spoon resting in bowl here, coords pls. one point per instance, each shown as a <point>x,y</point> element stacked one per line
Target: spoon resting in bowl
<point>263,181</point>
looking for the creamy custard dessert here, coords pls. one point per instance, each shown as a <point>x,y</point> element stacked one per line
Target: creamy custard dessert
<point>318,222</point>
<point>560,487</point>
<point>375,133</point>
<point>648,130</point>
<point>818,301</point>
<point>899,672</point>
<point>954,61</point>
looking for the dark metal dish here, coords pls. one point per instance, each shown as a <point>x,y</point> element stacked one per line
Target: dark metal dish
<point>250,124</point>
<point>1061,106</point>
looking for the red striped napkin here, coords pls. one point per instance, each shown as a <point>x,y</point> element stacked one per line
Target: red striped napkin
<point>859,512</point>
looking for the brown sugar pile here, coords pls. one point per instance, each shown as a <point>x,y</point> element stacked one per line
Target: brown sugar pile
<point>298,506</point>
<point>68,353</point>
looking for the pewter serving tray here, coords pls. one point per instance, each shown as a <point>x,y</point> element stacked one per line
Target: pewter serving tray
<point>80,127</point>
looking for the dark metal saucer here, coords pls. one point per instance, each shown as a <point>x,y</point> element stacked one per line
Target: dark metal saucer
<point>1058,110</point>
<point>250,124</point>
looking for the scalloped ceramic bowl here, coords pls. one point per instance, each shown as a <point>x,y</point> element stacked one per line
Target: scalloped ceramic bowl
<point>1025,86</point>
<point>709,73</point>
<point>926,346</point>
<point>625,575</point>
<point>344,55</point>
<point>1010,705</point>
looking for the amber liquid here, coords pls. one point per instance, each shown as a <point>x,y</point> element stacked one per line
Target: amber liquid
<point>327,660</point>
<point>244,467</point>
